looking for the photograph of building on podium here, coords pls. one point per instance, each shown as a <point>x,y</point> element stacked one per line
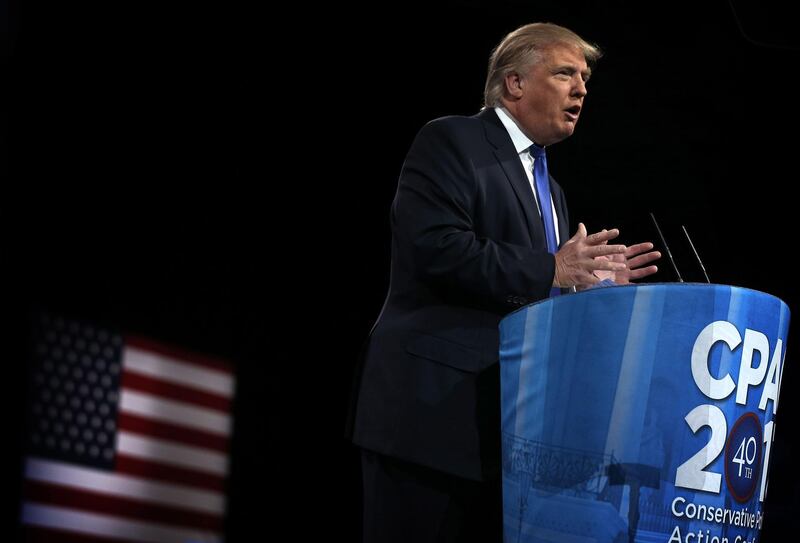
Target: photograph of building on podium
<point>640,414</point>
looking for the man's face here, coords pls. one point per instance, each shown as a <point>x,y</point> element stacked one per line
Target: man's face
<point>553,92</point>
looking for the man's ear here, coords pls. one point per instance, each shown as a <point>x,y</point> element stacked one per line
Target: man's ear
<point>513,83</point>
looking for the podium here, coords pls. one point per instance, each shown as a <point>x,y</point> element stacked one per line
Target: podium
<point>640,413</point>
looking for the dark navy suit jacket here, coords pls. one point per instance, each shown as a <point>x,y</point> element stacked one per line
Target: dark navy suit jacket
<point>468,247</point>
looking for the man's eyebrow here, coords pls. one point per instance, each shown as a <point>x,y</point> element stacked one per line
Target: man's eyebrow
<point>587,73</point>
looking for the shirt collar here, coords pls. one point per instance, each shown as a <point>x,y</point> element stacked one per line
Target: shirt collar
<point>520,140</point>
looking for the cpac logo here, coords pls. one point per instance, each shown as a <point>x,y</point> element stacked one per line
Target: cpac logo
<point>744,463</point>
<point>754,342</point>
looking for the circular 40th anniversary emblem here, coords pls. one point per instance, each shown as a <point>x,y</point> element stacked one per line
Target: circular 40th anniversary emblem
<point>743,457</point>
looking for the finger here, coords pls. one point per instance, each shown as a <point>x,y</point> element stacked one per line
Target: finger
<point>641,260</point>
<point>604,250</point>
<point>601,237</point>
<point>639,248</point>
<point>587,279</point>
<point>580,234</point>
<point>643,272</point>
<point>606,265</point>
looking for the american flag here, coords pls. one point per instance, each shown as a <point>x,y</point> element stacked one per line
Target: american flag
<point>128,439</point>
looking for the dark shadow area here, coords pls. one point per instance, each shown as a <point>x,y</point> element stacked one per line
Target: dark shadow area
<point>219,177</point>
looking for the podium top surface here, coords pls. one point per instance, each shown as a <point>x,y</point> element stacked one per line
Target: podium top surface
<point>677,287</point>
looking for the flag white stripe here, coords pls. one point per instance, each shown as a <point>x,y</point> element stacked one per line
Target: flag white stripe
<point>180,413</point>
<point>172,453</point>
<point>74,520</point>
<point>174,495</point>
<point>175,371</point>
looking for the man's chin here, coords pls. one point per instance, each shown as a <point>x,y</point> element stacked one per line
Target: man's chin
<point>562,134</point>
<point>567,131</point>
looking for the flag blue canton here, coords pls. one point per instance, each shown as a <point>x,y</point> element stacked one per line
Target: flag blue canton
<point>75,394</point>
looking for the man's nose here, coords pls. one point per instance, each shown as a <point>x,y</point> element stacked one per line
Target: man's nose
<point>579,89</point>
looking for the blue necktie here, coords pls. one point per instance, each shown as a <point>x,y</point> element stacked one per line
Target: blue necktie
<point>542,181</point>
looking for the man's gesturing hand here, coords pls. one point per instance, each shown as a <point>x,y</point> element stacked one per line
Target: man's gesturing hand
<point>576,263</point>
<point>637,257</point>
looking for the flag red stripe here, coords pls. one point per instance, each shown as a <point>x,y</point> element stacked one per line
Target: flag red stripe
<point>172,432</point>
<point>169,474</point>
<point>36,534</point>
<point>127,508</point>
<point>171,391</point>
<point>182,355</point>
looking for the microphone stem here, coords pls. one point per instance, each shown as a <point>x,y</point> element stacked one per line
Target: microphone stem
<point>666,248</point>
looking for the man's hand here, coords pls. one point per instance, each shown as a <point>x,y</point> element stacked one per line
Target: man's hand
<point>636,257</point>
<point>582,256</point>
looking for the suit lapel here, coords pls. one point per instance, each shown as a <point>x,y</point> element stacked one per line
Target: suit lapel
<point>508,158</point>
<point>561,215</point>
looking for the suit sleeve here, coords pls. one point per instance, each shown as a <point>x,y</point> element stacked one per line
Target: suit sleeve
<point>433,218</point>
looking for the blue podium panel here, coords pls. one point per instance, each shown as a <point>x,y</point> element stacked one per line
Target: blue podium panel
<point>640,414</point>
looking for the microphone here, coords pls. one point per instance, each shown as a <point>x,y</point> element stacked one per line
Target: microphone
<point>697,256</point>
<point>666,248</point>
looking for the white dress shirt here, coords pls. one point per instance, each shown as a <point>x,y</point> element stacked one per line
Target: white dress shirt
<point>521,144</point>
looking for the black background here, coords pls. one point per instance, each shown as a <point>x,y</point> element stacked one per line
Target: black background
<point>219,177</point>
